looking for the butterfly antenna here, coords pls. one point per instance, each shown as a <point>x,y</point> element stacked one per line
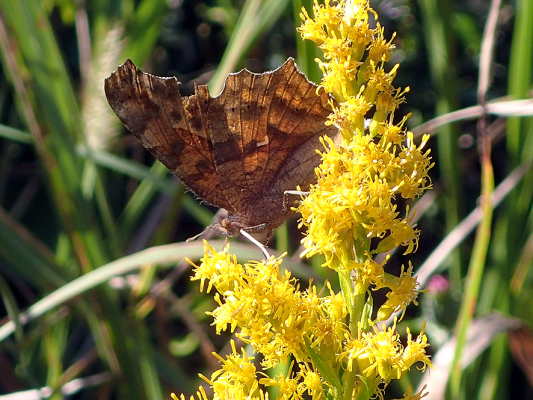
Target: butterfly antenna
<point>256,242</point>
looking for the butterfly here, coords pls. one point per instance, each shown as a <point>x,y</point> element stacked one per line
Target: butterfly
<point>241,150</point>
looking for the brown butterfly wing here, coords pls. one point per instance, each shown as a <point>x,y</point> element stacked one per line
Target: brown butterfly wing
<point>240,150</point>
<point>296,122</point>
<point>173,128</point>
<point>234,118</point>
<point>265,131</point>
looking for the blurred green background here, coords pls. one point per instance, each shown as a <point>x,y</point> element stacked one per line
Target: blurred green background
<point>97,304</point>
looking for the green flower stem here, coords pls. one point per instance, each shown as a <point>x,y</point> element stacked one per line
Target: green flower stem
<point>355,305</point>
<point>348,386</point>
<point>358,314</point>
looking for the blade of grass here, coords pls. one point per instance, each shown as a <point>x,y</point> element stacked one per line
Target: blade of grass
<point>520,67</point>
<point>500,108</point>
<point>147,190</point>
<point>434,262</point>
<point>483,234</point>
<point>130,168</point>
<point>256,17</point>
<point>49,105</point>
<point>148,366</point>
<point>144,29</point>
<point>28,256</point>
<point>439,42</point>
<point>165,256</point>
<point>519,138</point>
<point>10,304</point>
<point>15,134</point>
<point>306,50</point>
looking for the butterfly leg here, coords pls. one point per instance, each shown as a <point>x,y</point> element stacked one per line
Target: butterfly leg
<point>288,193</point>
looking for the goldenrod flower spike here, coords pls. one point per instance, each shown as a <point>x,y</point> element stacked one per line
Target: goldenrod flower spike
<point>353,205</point>
<point>353,202</point>
<point>334,348</point>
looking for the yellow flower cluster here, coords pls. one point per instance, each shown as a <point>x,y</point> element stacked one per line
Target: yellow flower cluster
<point>332,341</point>
<point>359,180</point>
<point>268,311</point>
